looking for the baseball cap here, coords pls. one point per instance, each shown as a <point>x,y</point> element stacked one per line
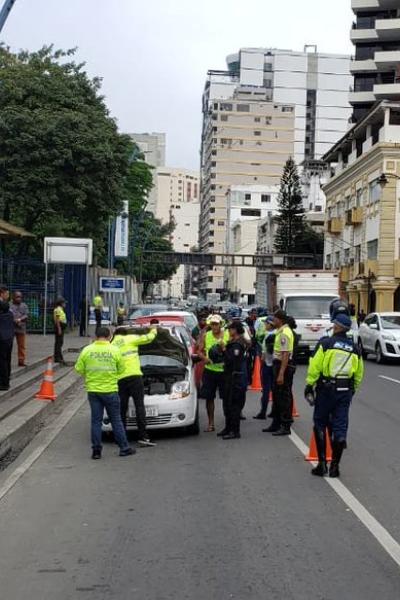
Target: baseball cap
<point>342,320</point>
<point>215,319</point>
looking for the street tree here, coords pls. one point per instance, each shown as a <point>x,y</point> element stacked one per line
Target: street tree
<point>63,162</point>
<point>291,218</point>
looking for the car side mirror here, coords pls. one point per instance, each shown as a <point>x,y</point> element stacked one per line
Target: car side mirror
<point>373,326</point>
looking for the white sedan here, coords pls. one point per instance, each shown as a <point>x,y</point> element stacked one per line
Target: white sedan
<point>379,334</point>
<point>170,392</point>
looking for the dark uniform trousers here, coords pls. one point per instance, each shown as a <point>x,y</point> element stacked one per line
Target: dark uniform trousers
<point>133,387</point>
<point>332,411</point>
<point>282,396</point>
<point>97,316</point>
<point>5,362</point>
<point>234,399</point>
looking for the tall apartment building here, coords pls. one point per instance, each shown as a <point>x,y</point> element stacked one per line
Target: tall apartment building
<point>152,146</point>
<point>269,105</point>
<point>376,65</point>
<point>246,140</point>
<point>178,202</point>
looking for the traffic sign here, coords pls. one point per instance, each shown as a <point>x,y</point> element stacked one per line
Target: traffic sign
<point>112,284</point>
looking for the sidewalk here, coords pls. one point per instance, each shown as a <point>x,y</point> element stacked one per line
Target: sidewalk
<point>40,346</point>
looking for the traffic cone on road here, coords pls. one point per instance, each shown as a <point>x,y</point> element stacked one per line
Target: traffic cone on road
<point>313,454</point>
<point>47,391</point>
<point>295,412</point>
<point>256,379</point>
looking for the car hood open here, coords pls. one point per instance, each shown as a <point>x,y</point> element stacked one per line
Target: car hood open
<point>164,344</point>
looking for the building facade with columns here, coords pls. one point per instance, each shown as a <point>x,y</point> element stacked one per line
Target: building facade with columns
<point>363,210</point>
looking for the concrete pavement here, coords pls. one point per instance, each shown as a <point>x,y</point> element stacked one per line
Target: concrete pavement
<point>199,518</point>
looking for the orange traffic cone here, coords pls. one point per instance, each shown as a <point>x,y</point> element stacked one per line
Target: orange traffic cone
<point>295,412</point>
<point>313,454</point>
<point>47,391</point>
<point>256,379</point>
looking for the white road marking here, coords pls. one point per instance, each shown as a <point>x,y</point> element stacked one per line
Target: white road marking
<point>381,534</point>
<point>50,433</point>
<point>389,378</point>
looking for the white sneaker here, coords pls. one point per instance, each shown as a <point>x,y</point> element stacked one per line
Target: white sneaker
<point>146,443</point>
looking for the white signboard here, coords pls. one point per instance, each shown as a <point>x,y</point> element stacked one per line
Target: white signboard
<point>72,251</point>
<point>122,233</point>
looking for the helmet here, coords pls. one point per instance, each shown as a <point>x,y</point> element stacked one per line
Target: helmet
<point>337,307</point>
<point>233,313</point>
<point>343,321</point>
<point>216,354</point>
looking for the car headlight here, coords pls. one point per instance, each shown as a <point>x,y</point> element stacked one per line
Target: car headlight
<point>389,336</point>
<point>179,390</point>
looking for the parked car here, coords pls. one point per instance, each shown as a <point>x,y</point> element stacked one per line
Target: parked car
<point>170,391</point>
<point>380,334</point>
<point>175,322</point>
<point>143,310</point>
<point>189,318</point>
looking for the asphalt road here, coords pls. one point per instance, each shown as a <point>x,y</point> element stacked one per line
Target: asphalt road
<point>201,519</point>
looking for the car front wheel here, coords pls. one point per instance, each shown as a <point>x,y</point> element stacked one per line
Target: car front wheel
<point>379,354</point>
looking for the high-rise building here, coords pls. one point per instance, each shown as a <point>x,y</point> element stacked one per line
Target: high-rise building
<point>152,145</point>
<point>376,65</point>
<point>178,203</point>
<point>269,105</point>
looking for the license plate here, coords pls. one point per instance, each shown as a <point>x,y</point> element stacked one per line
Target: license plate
<point>151,411</point>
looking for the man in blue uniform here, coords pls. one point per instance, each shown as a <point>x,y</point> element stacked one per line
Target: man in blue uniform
<point>337,370</point>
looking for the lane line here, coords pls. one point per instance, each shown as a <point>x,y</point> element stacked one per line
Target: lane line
<point>382,536</point>
<point>50,433</point>
<point>389,378</point>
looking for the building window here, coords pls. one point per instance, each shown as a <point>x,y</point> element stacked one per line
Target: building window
<point>212,210</point>
<point>375,191</point>
<point>357,254</point>
<point>287,109</point>
<point>250,212</point>
<point>211,244</point>
<point>328,261</point>
<point>337,260</point>
<point>215,106</point>
<point>372,249</point>
<point>225,106</point>
<point>268,120</point>
<point>265,198</point>
<point>243,108</point>
<point>257,133</point>
<point>224,117</point>
<point>359,197</point>
<point>247,196</point>
<point>221,223</point>
<point>257,119</point>
<point>210,279</point>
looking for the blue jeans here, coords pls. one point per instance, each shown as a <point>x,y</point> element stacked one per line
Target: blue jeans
<point>267,379</point>
<point>98,402</point>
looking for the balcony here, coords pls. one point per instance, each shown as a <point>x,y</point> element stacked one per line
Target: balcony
<point>335,225</point>
<point>390,133</point>
<point>363,35</point>
<point>387,60</point>
<point>372,267</point>
<point>354,216</point>
<point>388,29</point>
<point>362,97</point>
<point>387,91</point>
<point>363,66</point>
<point>396,269</point>
<point>359,6</point>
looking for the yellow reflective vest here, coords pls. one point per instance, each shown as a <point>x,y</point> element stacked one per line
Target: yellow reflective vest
<point>128,346</point>
<point>211,341</point>
<point>100,364</point>
<point>284,342</point>
<point>98,302</point>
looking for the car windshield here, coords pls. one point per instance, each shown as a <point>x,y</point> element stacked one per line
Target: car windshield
<point>390,322</point>
<point>312,307</point>
<point>145,311</point>
<point>158,361</point>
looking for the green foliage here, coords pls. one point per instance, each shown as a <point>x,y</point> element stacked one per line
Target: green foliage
<point>62,161</point>
<point>291,219</point>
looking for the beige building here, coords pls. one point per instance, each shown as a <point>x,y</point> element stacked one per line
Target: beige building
<point>246,140</point>
<point>152,146</point>
<point>363,210</point>
<point>178,202</point>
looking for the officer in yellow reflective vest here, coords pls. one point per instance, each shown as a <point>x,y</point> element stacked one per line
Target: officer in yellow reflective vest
<point>211,351</point>
<point>98,309</point>
<point>283,372</point>
<point>101,364</point>
<point>130,381</point>
<point>337,370</point>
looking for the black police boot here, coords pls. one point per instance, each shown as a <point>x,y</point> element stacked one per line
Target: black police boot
<point>231,436</point>
<point>283,430</point>
<point>224,431</point>
<point>337,451</point>
<point>261,416</point>
<point>96,453</point>
<point>320,439</point>
<point>272,428</point>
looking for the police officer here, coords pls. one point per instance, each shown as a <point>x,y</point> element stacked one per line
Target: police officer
<point>98,309</point>
<point>100,364</point>
<point>337,370</point>
<point>235,371</point>
<point>130,381</point>
<point>283,372</point>
<point>213,377</point>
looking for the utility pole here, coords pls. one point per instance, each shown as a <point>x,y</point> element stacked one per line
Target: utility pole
<point>5,11</point>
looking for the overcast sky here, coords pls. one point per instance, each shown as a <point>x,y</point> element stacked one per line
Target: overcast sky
<point>153,55</point>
